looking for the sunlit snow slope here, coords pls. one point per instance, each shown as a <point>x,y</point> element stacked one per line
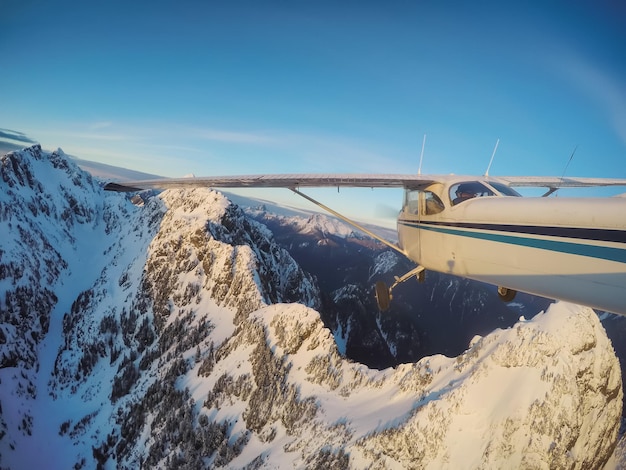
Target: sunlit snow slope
<point>176,333</point>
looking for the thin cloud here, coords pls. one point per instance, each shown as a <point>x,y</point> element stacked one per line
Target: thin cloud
<point>609,94</point>
<point>81,135</point>
<point>293,151</point>
<point>324,153</point>
<point>15,135</point>
<point>154,148</point>
<point>222,135</point>
<point>96,126</point>
<point>108,131</point>
<point>316,151</point>
<point>175,148</point>
<point>602,88</point>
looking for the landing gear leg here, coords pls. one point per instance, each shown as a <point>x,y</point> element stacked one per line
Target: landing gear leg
<point>383,293</point>
<point>506,294</point>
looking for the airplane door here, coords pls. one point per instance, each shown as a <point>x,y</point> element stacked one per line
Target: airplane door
<point>418,233</point>
<point>420,205</point>
<point>430,209</point>
<point>408,226</point>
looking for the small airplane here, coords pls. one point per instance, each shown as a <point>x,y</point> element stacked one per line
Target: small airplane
<point>572,249</point>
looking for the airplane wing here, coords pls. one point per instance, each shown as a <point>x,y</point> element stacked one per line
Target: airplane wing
<point>565,182</point>
<point>282,181</point>
<point>352,180</point>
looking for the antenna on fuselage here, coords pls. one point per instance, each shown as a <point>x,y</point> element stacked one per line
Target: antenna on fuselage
<point>492,155</point>
<point>419,170</point>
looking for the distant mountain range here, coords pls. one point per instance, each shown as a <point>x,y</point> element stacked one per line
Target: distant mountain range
<point>178,330</point>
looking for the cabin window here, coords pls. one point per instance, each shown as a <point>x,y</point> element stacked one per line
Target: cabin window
<point>433,205</point>
<point>411,201</point>
<point>504,189</point>
<point>461,192</point>
<point>428,201</point>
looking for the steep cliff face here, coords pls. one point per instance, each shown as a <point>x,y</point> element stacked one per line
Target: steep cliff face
<point>178,334</point>
<point>536,381</point>
<point>437,316</point>
<point>98,294</point>
<point>544,393</point>
<point>36,231</point>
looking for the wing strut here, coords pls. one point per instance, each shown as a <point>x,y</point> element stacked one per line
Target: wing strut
<point>350,222</point>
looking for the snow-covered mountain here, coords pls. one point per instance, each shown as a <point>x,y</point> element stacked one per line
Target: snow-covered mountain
<point>175,332</point>
<point>305,221</point>
<point>437,316</point>
<point>316,223</point>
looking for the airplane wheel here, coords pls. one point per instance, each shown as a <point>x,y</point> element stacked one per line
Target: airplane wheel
<point>506,294</point>
<point>383,296</point>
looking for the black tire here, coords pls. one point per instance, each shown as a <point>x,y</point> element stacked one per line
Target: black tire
<point>506,294</point>
<point>383,296</point>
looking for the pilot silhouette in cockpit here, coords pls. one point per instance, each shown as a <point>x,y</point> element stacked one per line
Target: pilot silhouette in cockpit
<point>463,193</point>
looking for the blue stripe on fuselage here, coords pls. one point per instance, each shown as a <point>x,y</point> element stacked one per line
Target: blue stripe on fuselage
<point>592,251</point>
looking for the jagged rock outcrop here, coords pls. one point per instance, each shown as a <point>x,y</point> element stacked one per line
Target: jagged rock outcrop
<point>208,249</point>
<point>522,397</point>
<point>545,409</point>
<point>437,316</point>
<point>162,342</point>
<point>34,230</point>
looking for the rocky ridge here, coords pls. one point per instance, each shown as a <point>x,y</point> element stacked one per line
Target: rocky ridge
<point>164,340</point>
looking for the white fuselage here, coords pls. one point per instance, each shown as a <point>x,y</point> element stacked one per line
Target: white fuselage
<point>572,249</point>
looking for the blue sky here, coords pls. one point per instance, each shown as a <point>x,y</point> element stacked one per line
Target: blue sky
<point>215,88</point>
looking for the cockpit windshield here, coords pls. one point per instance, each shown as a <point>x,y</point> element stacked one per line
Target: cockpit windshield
<point>504,189</point>
<point>461,192</point>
